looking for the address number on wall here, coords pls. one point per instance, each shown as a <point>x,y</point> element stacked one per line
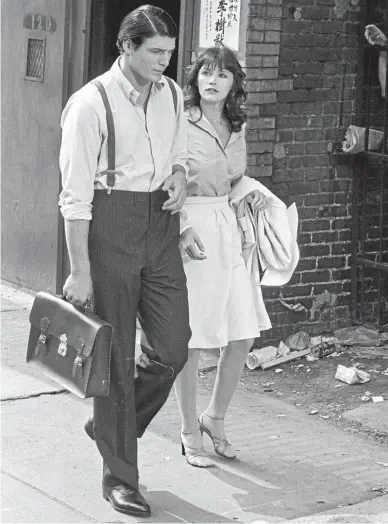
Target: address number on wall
<point>39,22</point>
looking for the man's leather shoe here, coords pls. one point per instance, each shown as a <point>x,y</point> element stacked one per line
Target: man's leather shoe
<point>126,500</point>
<point>88,427</point>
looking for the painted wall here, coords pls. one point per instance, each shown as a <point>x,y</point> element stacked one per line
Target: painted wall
<point>31,226</point>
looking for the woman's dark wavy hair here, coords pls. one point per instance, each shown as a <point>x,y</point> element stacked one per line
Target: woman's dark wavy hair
<point>224,58</point>
<point>145,22</point>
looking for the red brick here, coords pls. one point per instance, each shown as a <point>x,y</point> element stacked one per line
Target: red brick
<point>298,95</point>
<point>307,263</point>
<point>318,173</point>
<point>315,147</point>
<point>311,277</point>
<point>308,135</point>
<point>318,199</point>
<point>315,250</point>
<point>324,237</point>
<point>331,262</point>
<point>341,248</point>
<point>291,122</point>
<point>315,225</point>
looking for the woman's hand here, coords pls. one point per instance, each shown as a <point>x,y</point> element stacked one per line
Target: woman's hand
<point>192,245</point>
<point>257,200</point>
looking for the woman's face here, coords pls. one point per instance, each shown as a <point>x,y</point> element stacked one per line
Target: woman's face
<point>214,84</point>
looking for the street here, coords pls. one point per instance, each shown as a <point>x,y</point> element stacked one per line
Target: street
<point>291,466</point>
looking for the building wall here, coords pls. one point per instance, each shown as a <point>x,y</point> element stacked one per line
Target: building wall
<point>302,60</point>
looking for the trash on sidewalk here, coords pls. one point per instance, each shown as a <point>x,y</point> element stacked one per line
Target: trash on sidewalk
<point>378,399</point>
<point>291,356</point>
<point>298,341</point>
<point>366,396</point>
<point>351,375</point>
<point>259,356</point>
<point>358,336</point>
<point>380,489</point>
<point>283,350</point>
<point>323,349</point>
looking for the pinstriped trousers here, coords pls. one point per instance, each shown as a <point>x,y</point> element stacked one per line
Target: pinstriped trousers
<point>136,269</point>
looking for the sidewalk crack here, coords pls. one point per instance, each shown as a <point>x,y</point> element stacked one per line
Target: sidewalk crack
<point>35,395</point>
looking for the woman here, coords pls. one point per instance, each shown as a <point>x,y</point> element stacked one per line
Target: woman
<point>221,303</point>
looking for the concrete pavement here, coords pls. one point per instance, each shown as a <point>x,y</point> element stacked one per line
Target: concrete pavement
<point>291,467</point>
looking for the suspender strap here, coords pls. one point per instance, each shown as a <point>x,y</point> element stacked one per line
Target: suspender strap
<point>174,93</point>
<point>111,171</point>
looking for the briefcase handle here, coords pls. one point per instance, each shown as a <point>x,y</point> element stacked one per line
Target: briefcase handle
<point>86,308</point>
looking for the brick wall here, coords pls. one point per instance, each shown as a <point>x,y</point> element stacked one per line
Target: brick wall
<point>302,60</point>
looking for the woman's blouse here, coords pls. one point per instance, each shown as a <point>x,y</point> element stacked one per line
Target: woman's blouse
<point>212,169</point>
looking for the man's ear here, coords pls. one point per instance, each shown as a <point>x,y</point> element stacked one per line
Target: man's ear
<point>128,47</point>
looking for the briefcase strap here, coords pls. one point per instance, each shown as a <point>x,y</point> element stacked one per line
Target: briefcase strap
<point>111,171</point>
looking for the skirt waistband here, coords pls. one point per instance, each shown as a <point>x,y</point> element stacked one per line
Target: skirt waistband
<point>211,201</point>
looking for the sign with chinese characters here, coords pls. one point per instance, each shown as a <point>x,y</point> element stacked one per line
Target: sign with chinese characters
<point>219,23</point>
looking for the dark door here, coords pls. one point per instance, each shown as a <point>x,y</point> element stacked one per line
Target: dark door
<point>106,17</point>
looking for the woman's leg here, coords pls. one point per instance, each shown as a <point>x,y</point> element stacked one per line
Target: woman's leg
<point>186,392</point>
<point>230,368</point>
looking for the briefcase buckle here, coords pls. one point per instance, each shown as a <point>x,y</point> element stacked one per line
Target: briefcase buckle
<point>79,362</point>
<point>41,345</point>
<point>62,348</point>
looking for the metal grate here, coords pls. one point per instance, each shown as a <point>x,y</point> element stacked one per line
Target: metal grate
<point>35,59</point>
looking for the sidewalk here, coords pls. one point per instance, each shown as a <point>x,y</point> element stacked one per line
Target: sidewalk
<point>291,466</point>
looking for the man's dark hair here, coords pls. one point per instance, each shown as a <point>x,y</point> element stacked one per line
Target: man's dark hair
<point>145,22</point>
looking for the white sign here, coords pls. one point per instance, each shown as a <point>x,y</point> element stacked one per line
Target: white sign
<point>219,23</point>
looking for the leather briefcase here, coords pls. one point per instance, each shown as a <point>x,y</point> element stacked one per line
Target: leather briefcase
<point>71,346</point>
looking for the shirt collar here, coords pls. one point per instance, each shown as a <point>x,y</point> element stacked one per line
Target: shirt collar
<point>196,117</point>
<point>127,88</point>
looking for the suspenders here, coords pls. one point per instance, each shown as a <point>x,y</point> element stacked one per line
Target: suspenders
<point>111,171</point>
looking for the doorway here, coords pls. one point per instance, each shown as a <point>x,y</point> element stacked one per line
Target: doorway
<point>106,17</point>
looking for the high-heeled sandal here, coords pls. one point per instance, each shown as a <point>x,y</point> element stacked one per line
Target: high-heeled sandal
<point>221,445</point>
<point>195,456</point>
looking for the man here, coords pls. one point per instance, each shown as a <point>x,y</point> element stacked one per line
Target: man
<point>123,242</point>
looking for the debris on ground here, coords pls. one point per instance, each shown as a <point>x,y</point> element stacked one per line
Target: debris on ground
<point>380,489</point>
<point>278,370</point>
<point>351,375</point>
<point>312,412</point>
<point>378,399</point>
<point>291,356</point>
<point>359,336</point>
<point>260,356</point>
<point>384,464</point>
<point>323,349</point>
<point>283,349</point>
<point>366,397</point>
<point>298,341</point>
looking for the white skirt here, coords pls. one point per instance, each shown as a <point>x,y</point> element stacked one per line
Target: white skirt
<point>221,300</point>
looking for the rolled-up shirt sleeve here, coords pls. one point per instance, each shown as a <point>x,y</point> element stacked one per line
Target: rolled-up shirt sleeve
<point>78,159</point>
<point>179,149</point>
